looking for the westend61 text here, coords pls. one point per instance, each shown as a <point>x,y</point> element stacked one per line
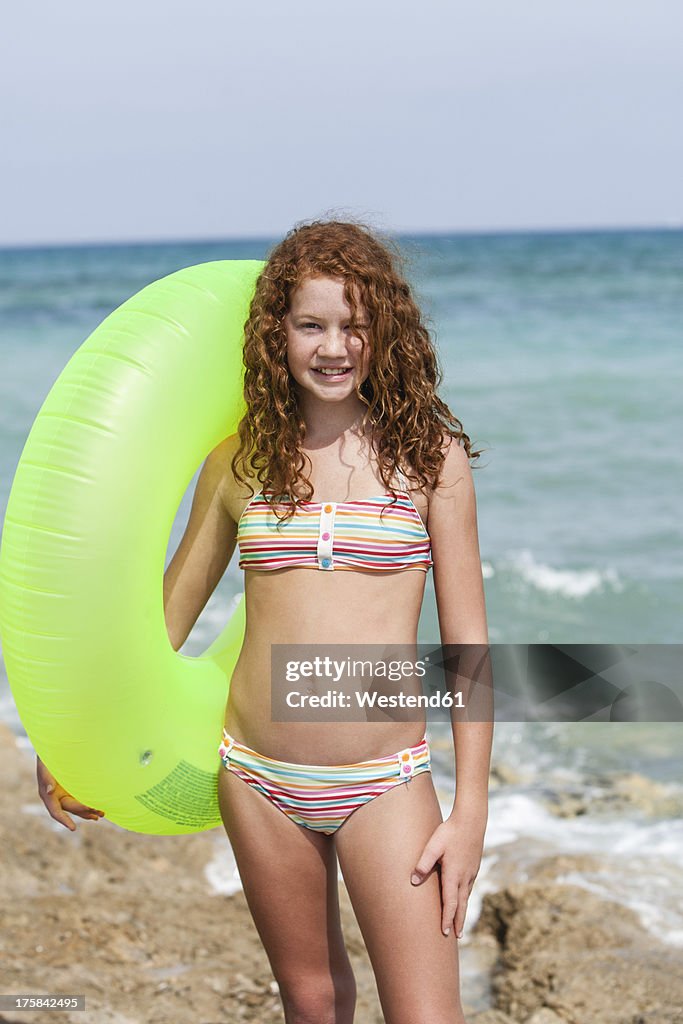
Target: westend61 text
<point>339,699</point>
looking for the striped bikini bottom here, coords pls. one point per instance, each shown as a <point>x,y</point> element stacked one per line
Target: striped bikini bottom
<point>321,797</point>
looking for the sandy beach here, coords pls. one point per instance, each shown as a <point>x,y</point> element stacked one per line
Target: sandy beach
<point>131,922</point>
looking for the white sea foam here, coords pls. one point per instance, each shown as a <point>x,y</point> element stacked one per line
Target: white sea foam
<point>221,871</point>
<point>574,583</point>
<point>637,855</point>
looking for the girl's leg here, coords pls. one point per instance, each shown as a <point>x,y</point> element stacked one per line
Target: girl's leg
<point>289,876</point>
<point>415,964</point>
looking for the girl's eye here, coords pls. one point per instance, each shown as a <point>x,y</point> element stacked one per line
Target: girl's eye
<point>348,326</point>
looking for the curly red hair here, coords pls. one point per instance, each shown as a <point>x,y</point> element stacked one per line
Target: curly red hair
<point>409,420</point>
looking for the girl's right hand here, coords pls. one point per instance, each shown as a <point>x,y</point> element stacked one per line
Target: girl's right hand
<point>58,801</point>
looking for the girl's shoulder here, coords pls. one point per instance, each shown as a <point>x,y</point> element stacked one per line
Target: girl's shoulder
<point>220,458</point>
<point>454,467</point>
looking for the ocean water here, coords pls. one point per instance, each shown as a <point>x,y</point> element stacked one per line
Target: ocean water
<point>561,355</point>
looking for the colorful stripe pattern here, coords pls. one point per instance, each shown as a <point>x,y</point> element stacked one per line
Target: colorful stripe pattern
<point>336,535</point>
<point>321,797</point>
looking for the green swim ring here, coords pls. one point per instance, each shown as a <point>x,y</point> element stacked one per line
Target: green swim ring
<point>120,718</point>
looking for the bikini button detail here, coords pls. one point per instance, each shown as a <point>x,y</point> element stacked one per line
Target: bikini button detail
<point>325,545</point>
<point>406,764</point>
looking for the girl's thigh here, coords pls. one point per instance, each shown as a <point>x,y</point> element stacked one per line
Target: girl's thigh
<point>415,964</point>
<point>289,877</point>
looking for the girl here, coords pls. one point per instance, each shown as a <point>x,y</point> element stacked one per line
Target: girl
<point>357,472</point>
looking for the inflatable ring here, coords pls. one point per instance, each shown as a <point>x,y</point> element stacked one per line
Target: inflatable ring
<point>123,721</point>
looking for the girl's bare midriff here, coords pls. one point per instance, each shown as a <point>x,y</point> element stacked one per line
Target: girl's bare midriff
<point>317,607</point>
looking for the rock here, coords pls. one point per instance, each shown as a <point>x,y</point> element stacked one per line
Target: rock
<point>491,1017</point>
<point>578,957</point>
<point>567,805</point>
<point>616,793</point>
<point>545,1016</point>
<point>528,917</point>
<point>503,774</point>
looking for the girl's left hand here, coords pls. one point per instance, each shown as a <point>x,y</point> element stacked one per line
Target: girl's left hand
<point>458,844</point>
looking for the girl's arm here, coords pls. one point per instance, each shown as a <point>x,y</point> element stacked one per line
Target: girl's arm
<point>458,842</point>
<point>205,550</point>
<point>459,588</point>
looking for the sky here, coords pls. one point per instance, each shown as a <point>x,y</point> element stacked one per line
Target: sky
<point>144,120</point>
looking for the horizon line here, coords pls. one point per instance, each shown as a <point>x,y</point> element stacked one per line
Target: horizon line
<point>448,233</point>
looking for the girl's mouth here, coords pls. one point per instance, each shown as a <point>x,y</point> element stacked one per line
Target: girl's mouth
<point>332,372</point>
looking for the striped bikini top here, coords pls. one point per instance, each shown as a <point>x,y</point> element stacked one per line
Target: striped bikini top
<point>332,535</point>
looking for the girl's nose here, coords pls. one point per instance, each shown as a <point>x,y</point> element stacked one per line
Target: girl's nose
<point>333,343</point>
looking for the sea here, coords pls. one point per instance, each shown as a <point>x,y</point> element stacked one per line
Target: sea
<point>561,354</point>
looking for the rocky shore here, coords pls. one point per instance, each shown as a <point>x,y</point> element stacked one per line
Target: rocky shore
<point>132,923</point>
<point>567,957</point>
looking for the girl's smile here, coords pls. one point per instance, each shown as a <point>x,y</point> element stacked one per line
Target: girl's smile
<point>332,373</point>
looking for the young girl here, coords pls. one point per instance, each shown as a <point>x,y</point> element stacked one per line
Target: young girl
<point>359,474</point>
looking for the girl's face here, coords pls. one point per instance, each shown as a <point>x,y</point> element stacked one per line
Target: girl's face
<point>319,338</point>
